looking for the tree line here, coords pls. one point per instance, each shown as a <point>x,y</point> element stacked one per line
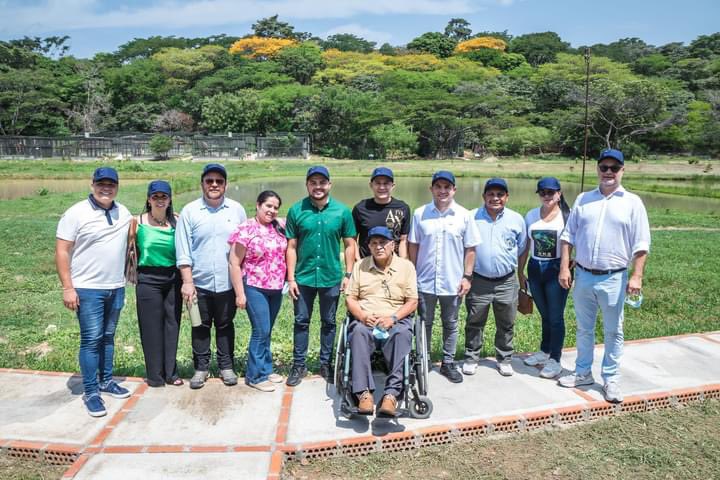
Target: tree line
<point>490,92</point>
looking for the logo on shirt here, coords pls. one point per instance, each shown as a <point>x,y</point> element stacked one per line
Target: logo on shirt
<point>510,240</point>
<point>394,220</point>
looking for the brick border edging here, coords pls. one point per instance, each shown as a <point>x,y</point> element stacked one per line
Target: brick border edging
<point>444,434</point>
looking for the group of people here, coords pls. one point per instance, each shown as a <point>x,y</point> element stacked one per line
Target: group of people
<point>396,263</point>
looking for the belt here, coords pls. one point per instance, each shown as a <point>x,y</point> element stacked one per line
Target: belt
<point>601,272</point>
<point>497,279</point>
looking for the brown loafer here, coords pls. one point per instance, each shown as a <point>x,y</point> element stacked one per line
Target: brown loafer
<point>365,403</point>
<point>388,406</point>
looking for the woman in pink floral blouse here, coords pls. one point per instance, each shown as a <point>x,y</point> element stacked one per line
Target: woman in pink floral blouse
<point>257,271</point>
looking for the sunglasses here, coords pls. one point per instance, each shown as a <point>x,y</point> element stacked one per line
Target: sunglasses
<point>614,168</point>
<point>546,193</point>
<point>217,181</point>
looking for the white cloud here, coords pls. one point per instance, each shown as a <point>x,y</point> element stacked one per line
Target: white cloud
<point>360,31</point>
<point>54,15</point>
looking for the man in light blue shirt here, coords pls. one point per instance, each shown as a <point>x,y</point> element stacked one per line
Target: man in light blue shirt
<point>441,244</point>
<point>609,229</point>
<point>504,235</point>
<point>202,251</point>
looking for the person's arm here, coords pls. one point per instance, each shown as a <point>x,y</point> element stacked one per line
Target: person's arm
<point>183,241</point>
<point>291,260</point>
<point>403,246</point>
<point>634,285</point>
<point>353,306</point>
<point>522,261</point>
<point>63,253</point>
<point>406,309</point>
<point>412,252</point>
<point>468,265</point>
<point>565,277</point>
<point>237,255</point>
<point>350,247</point>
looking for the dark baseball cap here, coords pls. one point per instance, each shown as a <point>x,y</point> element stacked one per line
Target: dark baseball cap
<point>319,170</point>
<point>443,175</point>
<point>496,183</point>
<point>380,232</point>
<point>159,186</point>
<point>105,173</point>
<point>214,167</point>
<point>382,172</point>
<point>612,153</point>
<point>548,183</point>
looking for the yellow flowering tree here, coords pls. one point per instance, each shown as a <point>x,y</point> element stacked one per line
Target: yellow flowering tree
<point>480,42</point>
<point>260,47</point>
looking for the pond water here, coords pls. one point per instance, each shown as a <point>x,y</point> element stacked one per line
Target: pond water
<point>415,192</point>
<point>17,188</point>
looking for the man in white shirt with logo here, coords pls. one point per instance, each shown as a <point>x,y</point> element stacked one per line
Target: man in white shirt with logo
<point>609,229</point>
<point>441,244</point>
<point>90,247</point>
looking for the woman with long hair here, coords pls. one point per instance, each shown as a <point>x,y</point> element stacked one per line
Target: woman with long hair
<point>159,305</point>
<point>257,271</point>
<point>544,225</point>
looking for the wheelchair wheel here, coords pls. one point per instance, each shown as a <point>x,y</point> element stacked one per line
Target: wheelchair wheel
<point>420,407</point>
<point>340,358</point>
<point>422,357</point>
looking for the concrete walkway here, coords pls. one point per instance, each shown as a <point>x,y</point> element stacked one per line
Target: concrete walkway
<point>221,432</point>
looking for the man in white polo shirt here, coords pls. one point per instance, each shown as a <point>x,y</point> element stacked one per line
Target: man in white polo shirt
<point>90,257</point>
<point>609,229</point>
<point>441,244</point>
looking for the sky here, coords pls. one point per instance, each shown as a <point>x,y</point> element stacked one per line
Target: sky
<point>102,26</point>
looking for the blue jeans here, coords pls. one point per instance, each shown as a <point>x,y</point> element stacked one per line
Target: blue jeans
<point>606,292</point>
<point>550,299</point>
<point>262,308</point>
<point>98,315</point>
<point>303,311</point>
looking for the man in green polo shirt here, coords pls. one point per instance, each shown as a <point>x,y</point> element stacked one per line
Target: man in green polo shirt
<point>315,225</point>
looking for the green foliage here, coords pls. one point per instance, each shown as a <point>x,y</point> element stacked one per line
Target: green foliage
<point>458,29</point>
<point>230,112</point>
<point>625,50</point>
<point>394,139</point>
<point>160,145</point>
<point>30,102</point>
<point>347,42</point>
<point>539,48</point>
<point>521,141</point>
<point>651,65</point>
<point>271,27</point>
<point>301,62</point>
<point>434,43</point>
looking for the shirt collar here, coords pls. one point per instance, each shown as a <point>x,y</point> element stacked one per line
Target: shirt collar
<point>450,210</point>
<point>205,205</point>
<point>391,268</point>
<point>314,207</point>
<point>485,214</point>
<point>97,206</point>
<point>618,191</point>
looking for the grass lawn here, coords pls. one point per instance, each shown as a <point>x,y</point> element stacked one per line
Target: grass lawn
<point>682,288</point>
<point>676,443</point>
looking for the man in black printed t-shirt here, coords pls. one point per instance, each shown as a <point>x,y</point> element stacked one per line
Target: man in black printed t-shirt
<point>382,211</point>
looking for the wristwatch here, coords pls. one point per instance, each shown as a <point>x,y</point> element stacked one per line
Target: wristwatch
<point>468,277</point>
<point>394,319</point>
<point>348,274</point>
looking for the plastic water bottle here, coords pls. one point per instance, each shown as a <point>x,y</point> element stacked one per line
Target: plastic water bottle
<point>634,301</point>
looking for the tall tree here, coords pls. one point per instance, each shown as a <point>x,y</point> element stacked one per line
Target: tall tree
<point>458,29</point>
<point>433,42</point>
<point>301,62</point>
<point>539,48</point>
<point>347,42</point>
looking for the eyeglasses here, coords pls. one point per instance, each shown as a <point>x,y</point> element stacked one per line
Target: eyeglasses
<point>546,193</point>
<point>218,181</point>
<point>614,168</point>
<point>158,197</point>
<point>386,288</point>
<point>496,194</point>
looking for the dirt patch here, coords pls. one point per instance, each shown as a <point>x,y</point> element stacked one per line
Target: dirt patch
<point>40,350</point>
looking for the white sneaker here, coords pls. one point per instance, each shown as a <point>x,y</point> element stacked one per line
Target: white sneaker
<point>612,393</point>
<point>469,367</point>
<point>505,369</point>
<point>275,378</point>
<point>537,358</point>
<point>572,380</point>
<point>266,386</point>
<point>551,369</point>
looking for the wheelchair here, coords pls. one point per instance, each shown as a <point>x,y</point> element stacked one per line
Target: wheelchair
<point>414,398</point>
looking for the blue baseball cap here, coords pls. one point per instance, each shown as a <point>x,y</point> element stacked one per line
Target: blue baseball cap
<point>548,183</point>
<point>105,173</point>
<point>214,167</point>
<point>612,153</point>
<point>496,183</point>
<point>319,170</point>
<point>380,232</point>
<point>382,172</point>
<point>443,175</point>
<point>159,186</point>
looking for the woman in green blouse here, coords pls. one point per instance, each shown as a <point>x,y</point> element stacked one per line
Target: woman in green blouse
<point>159,304</point>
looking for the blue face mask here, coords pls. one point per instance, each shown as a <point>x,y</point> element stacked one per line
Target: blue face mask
<point>380,333</point>
<point>634,301</point>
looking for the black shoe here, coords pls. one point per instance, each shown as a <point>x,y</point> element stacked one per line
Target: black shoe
<point>326,372</point>
<point>296,375</point>
<point>449,371</point>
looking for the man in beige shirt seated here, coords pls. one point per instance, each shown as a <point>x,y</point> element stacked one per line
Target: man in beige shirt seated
<point>381,296</point>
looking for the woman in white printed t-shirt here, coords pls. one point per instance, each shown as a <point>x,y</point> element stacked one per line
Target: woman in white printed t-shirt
<point>544,225</point>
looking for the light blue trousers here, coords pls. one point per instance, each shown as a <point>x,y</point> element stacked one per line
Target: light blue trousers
<point>606,292</point>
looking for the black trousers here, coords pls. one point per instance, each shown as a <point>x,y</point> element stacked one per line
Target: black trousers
<point>215,309</point>
<point>159,307</point>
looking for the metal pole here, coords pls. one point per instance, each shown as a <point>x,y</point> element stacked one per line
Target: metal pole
<point>587,126</point>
